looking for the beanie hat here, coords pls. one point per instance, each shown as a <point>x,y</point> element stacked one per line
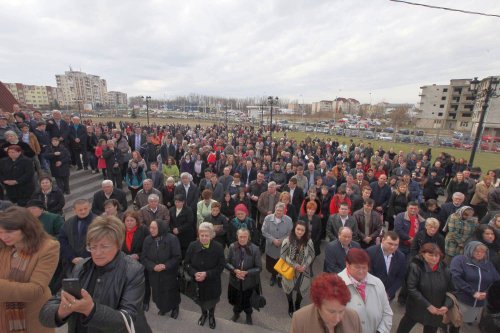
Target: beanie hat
<point>242,208</point>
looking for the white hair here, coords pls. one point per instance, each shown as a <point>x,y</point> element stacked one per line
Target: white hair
<point>207,226</point>
<point>153,196</point>
<point>107,182</point>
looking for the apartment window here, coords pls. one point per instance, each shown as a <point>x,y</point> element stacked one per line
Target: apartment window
<point>464,124</point>
<point>441,106</point>
<point>440,114</point>
<point>443,98</point>
<point>445,89</point>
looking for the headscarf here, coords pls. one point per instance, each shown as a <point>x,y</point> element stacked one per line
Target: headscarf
<point>162,231</point>
<point>469,252</point>
<point>461,210</point>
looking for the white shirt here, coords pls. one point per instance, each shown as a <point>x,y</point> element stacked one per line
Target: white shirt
<point>387,259</point>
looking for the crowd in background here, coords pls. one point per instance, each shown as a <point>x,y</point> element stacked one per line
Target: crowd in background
<point>405,227</point>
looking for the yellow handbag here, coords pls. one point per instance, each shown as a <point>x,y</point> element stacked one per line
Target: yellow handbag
<point>284,269</point>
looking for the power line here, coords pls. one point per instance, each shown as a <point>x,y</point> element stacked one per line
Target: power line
<point>446,8</point>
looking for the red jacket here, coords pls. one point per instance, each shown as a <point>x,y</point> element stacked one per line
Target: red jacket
<point>335,204</point>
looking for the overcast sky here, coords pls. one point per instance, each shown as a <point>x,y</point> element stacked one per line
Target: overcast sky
<point>300,49</point>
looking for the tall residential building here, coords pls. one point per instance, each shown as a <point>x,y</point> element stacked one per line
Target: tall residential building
<point>117,99</point>
<point>322,106</point>
<point>446,106</point>
<point>492,119</point>
<point>39,97</point>
<point>78,87</point>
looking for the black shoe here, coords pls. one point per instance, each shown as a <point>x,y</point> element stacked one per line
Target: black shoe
<point>175,313</point>
<point>278,280</point>
<point>272,282</point>
<point>202,319</point>
<point>235,317</point>
<point>211,321</point>
<point>145,307</point>
<point>161,313</point>
<point>248,320</point>
<point>85,168</point>
<point>79,168</point>
<point>290,308</point>
<point>67,192</point>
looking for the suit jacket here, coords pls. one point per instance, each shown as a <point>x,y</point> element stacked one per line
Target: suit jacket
<point>307,173</point>
<point>297,198</point>
<point>192,197</point>
<point>131,142</point>
<point>335,256</point>
<point>334,223</point>
<point>185,224</point>
<point>248,178</point>
<point>80,133</point>
<point>374,228</point>
<point>263,204</point>
<point>55,131</point>
<point>159,181</point>
<point>397,270</point>
<point>100,198</point>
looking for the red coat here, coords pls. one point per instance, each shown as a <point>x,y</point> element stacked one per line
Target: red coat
<point>335,204</point>
<point>101,163</point>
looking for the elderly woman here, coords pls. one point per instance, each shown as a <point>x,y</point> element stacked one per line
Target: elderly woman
<point>461,226</point>
<point>275,229</point>
<point>161,255</point>
<point>244,264</point>
<point>205,262</point>
<point>429,234</point>
<point>29,258</point>
<point>112,286</point>
<point>16,175</point>
<point>368,295</point>
<point>204,207</point>
<point>241,220</point>
<point>328,311</point>
<point>51,196</point>
<point>428,280</point>
<point>472,274</point>
<point>167,193</point>
<point>135,234</point>
<point>289,209</point>
<point>12,139</point>
<point>297,250</point>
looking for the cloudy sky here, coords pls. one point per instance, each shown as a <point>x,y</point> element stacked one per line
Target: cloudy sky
<point>300,49</point>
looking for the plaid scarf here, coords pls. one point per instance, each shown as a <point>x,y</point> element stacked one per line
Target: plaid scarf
<point>14,311</point>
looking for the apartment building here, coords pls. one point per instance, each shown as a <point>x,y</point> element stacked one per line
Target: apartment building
<point>117,99</point>
<point>79,87</point>
<point>39,97</point>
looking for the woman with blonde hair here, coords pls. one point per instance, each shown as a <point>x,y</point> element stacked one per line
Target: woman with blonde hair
<point>29,258</point>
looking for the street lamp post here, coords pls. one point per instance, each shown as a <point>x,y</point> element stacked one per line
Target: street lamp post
<point>148,98</point>
<point>272,101</point>
<point>489,92</point>
<point>226,118</point>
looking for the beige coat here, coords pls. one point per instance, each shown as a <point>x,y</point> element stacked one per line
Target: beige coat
<point>481,194</point>
<point>308,320</point>
<point>36,291</point>
<point>263,204</point>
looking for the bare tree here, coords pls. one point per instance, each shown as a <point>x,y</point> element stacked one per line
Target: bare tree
<point>399,116</point>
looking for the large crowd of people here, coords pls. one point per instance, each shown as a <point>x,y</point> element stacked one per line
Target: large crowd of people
<point>180,204</point>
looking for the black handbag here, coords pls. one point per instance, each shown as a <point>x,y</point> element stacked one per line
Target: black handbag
<point>257,301</point>
<point>188,286</point>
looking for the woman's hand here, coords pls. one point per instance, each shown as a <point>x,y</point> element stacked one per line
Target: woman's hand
<point>442,310</point>
<point>159,268</point>
<point>240,274</point>
<point>479,295</point>
<point>300,268</point>
<point>70,304</point>
<point>432,309</point>
<point>200,276</point>
<point>134,256</point>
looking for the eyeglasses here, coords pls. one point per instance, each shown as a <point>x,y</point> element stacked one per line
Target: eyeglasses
<point>102,248</point>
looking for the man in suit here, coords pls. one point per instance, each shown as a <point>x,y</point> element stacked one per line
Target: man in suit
<point>335,251</point>
<point>57,127</point>
<point>108,192</point>
<point>136,140</point>
<point>141,199</point>
<point>311,174</point>
<point>248,174</point>
<point>167,150</point>
<point>78,144</point>
<point>369,223</point>
<point>190,192</point>
<point>341,219</point>
<point>388,263</point>
<point>296,194</point>
<point>156,176</point>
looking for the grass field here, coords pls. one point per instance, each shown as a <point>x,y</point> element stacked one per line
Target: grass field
<point>484,160</point>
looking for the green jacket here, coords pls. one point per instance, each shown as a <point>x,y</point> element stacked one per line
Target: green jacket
<point>51,222</point>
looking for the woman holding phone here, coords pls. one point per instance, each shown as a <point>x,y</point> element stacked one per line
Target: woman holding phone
<point>112,286</point>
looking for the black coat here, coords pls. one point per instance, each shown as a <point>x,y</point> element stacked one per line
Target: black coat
<point>58,132</point>
<point>192,197</point>
<point>394,279</point>
<point>100,198</point>
<point>64,158</point>
<point>27,151</point>
<point>211,261</point>
<point>425,288</point>
<point>251,263</point>
<point>80,133</point>
<point>185,224</point>
<point>137,241</point>
<point>315,229</point>
<point>168,196</point>
<point>120,287</point>
<point>165,285</point>
<point>131,142</point>
<point>54,201</point>
<point>111,157</point>
<point>22,171</point>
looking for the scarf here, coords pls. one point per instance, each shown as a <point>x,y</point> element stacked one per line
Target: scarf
<point>129,237</point>
<point>297,253</point>
<point>15,311</point>
<point>360,286</point>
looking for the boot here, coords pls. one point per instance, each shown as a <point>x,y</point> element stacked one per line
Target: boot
<point>248,320</point>
<point>290,305</point>
<point>203,318</point>
<point>211,318</point>
<point>235,316</point>
<point>278,281</point>
<point>298,301</point>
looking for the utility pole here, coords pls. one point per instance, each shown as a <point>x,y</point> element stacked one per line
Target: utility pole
<point>272,101</point>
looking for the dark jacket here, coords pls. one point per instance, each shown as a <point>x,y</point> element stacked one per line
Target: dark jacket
<point>374,228</point>
<point>335,256</point>
<point>248,177</point>
<point>78,133</point>
<point>297,199</point>
<point>210,260</point>
<point>72,244</point>
<point>490,318</point>
<point>64,158</point>
<point>185,224</point>
<point>394,279</point>
<point>192,196</point>
<point>100,198</point>
<point>164,249</point>
<point>158,181</point>
<point>52,223</point>
<point>111,157</point>
<point>251,263</point>
<point>425,288</point>
<point>315,229</point>
<point>54,200</point>
<point>380,195</point>
<point>137,241</point>
<point>22,171</point>
<point>55,131</point>
<point>131,142</point>
<point>334,223</point>
<point>220,221</point>
<point>120,287</point>
<point>422,238</point>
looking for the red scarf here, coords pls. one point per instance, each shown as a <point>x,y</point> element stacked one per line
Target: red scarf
<point>129,236</point>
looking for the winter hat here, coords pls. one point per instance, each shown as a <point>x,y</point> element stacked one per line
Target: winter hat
<point>241,207</point>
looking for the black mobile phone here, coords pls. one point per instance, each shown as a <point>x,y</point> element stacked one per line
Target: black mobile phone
<point>72,286</point>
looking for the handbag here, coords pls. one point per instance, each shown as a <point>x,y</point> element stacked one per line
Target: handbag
<point>284,269</point>
<point>188,286</point>
<point>130,327</point>
<point>257,301</point>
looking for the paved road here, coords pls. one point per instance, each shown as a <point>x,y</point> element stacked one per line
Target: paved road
<point>273,318</point>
